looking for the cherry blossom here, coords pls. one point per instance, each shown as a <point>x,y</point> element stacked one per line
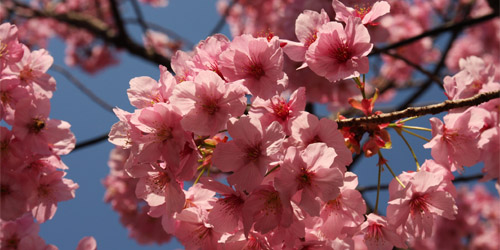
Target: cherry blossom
<point>252,151</point>
<point>208,102</point>
<point>256,61</point>
<point>310,172</point>
<point>368,11</point>
<point>346,50</point>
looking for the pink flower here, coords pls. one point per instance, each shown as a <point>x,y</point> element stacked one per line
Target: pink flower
<point>145,91</point>
<point>265,209</point>
<point>160,186</point>
<point>257,61</point>
<point>415,207</point>
<point>277,109</point>
<point>454,142</point>
<point>228,209</point>
<point>52,188</point>
<point>11,51</point>
<point>183,66</point>
<point>208,102</point>
<point>31,72</point>
<point>307,129</point>
<point>162,133</point>
<point>310,171</point>
<point>161,43</point>
<point>194,232</point>
<point>340,53</point>
<point>251,152</point>
<point>87,243</point>
<point>368,11</point>
<point>208,52</point>
<point>378,234</point>
<point>490,150</point>
<point>22,234</point>
<point>11,92</point>
<point>41,134</point>
<point>306,29</point>
<point>470,80</point>
<point>17,192</point>
<point>155,3</point>
<point>344,213</point>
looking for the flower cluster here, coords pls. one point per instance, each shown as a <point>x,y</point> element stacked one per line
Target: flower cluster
<point>31,144</point>
<point>288,185</point>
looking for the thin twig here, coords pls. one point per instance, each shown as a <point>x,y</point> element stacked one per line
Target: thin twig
<point>82,88</point>
<point>222,19</point>
<point>436,31</point>
<point>91,142</point>
<point>140,17</point>
<point>162,29</point>
<point>420,111</point>
<point>94,26</point>
<point>459,179</point>
<point>430,75</point>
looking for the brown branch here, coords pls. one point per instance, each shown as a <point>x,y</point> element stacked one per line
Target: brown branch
<point>459,179</point>
<point>222,19</point>
<point>83,88</point>
<point>95,27</point>
<point>430,75</point>
<point>436,31</point>
<point>420,111</point>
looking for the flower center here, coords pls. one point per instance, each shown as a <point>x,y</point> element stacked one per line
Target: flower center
<point>361,10</point>
<point>211,107</point>
<point>256,70</point>
<point>253,153</point>
<point>342,53</point>
<point>158,182</point>
<point>418,204</point>
<point>164,134</point>
<point>375,231</point>
<point>281,109</point>
<point>43,190</point>
<point>304,178</point>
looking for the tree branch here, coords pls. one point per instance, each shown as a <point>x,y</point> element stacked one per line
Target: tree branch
<point>95,27</point>
<point>90,142</point>
<point>436,31</point>
<point>83,88</point>
<point>430,75</point>
<point>420,111</point>
<point>222,19</point>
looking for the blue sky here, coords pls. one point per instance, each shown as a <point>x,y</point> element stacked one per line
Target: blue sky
<point>87,214</point>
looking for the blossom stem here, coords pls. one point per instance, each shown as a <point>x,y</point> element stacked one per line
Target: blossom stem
<point>272,170</point>
<point>392,172</point>
<point>419,136</point>
<point>199,176</point>
<point>361,86</point>
<point>416,128</point>
<point>408,119</point>
<point>409,147</point>
<point>378,189</point>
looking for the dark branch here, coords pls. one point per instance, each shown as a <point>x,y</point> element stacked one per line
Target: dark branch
<point>91,142</point>
<point>441,29</point>
<point>430,75</point>
<point>97,28</point>
<point>420,111</point>
<point>222,19</point>
<point>82,88</point>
